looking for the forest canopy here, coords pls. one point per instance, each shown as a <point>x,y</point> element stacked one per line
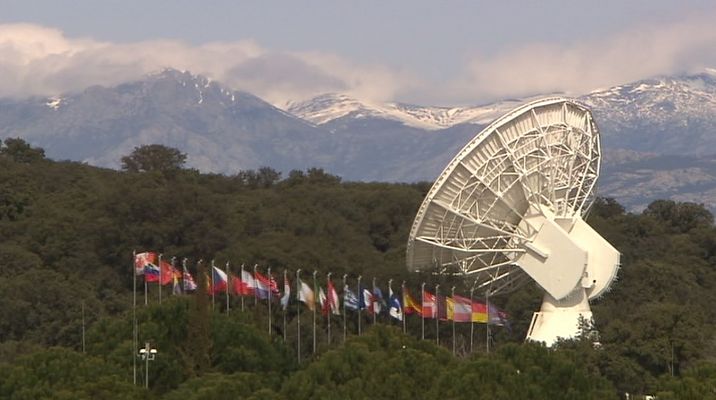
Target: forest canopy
<point>68,230</point>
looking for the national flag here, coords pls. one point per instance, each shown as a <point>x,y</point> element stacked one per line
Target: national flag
<point>176,287</point>
<point>441,303</point>
<point>169,273</point>
<point>322,301</point>
<point>144,261</point>
<point>429,310</point>
<point>263,285</point>
<point>286,293</point>
<point>220,280</point>
<point>306,295</point>
<point>479,312</point>
<point>350,300</point>
<point>188,283</point>
<point>365,301</point>
<point>273,285</point>
<point>459,309</point>
<point>245,285</point>
<point>497,316</point>
<point>395,309</point>
<point>149,266</point>
<point>378,300</point>
<point>410,305</point>
<point>332,298</point>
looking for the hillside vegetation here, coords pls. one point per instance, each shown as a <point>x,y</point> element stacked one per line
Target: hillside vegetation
<point>67,232</point>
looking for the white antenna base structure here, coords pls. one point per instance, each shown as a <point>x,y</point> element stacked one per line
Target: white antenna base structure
<point>510,208</point>
<point>560,318</point>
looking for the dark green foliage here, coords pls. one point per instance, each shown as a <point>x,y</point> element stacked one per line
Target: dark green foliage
<point>63,374</point>
<point>383,364</point>
<point>20,151</point>
<point>154,157</point>
<point>67,232</point>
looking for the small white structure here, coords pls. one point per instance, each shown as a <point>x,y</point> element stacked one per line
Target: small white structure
<point>509,207</point>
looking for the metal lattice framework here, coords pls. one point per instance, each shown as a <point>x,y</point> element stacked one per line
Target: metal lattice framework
<point>543,157</point>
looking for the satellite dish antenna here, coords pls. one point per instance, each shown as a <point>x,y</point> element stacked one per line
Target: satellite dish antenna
<point>509,208</point>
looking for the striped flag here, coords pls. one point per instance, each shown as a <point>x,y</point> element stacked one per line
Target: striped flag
<point>459,309</point>
<point>410,305</point>
<point>350,299</point>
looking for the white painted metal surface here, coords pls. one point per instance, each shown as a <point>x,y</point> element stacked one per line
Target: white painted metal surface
<point>508,208</point>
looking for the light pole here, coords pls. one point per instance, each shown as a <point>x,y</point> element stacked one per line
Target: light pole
<point>147,354</point>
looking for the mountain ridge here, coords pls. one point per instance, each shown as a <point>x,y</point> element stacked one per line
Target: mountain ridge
<point>224,131</point>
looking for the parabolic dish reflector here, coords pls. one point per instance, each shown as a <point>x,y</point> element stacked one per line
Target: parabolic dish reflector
<point>526,179</point>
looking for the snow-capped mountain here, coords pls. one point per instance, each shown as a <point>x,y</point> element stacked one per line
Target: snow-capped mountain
<point>666,115</point>
<point>658,134</point>
<point>221,130</point>
<point>330,107</point>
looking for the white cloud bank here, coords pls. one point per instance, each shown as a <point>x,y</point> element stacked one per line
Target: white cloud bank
<point>37,60</point>
<point>642,52</point>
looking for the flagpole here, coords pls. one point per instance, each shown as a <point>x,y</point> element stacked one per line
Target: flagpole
<point>213,292</point>
<point>437,314</point>
<point>345,332</point>
<point>452,293</point>
<point>390,290</point>
<point>422,305</point>
<point>330,306</point>
<point>315,290</point>
<point>373,300</point>
<point>134,315</point>
<point>184,270</point>
<point>360,293</point>
<point>145,289</point>
<point>298,313</point>
<point>269,300</point>
<point>174,260</point>
<point>160,278</point>
<point>472,322</point>
<point>256,291</point>
<point>402,294</point>
<point>487,326</point>
<point>242,281</point>
<point>228,281</point>
<point>285,309</point>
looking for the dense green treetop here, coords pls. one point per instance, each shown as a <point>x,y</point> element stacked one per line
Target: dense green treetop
<point>67,232</point>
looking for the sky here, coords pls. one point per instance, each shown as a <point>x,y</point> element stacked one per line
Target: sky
<point>422,52</point>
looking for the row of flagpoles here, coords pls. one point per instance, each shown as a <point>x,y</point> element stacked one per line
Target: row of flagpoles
<point>454,308</point>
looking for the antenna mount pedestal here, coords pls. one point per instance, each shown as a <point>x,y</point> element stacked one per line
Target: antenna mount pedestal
<point>560,318</point>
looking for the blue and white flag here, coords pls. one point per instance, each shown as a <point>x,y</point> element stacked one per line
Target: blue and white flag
<point>395,309</point>
<point>350,300</point>
<point>378,300</point>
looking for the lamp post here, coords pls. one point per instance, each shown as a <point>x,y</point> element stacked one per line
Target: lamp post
<point>147,354</point>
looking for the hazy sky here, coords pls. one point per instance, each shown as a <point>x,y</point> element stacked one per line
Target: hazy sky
<point>437,52</point>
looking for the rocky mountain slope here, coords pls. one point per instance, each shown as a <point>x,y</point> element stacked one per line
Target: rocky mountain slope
<point>221,130</point>
<point>658,134</point>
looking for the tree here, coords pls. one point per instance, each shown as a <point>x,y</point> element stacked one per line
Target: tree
<point>20,151</point>
<point>154,157</point>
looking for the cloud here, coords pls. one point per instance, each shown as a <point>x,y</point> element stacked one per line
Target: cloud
<point>37,60</point>
<point>41,61</point>
<point>642,52</point>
